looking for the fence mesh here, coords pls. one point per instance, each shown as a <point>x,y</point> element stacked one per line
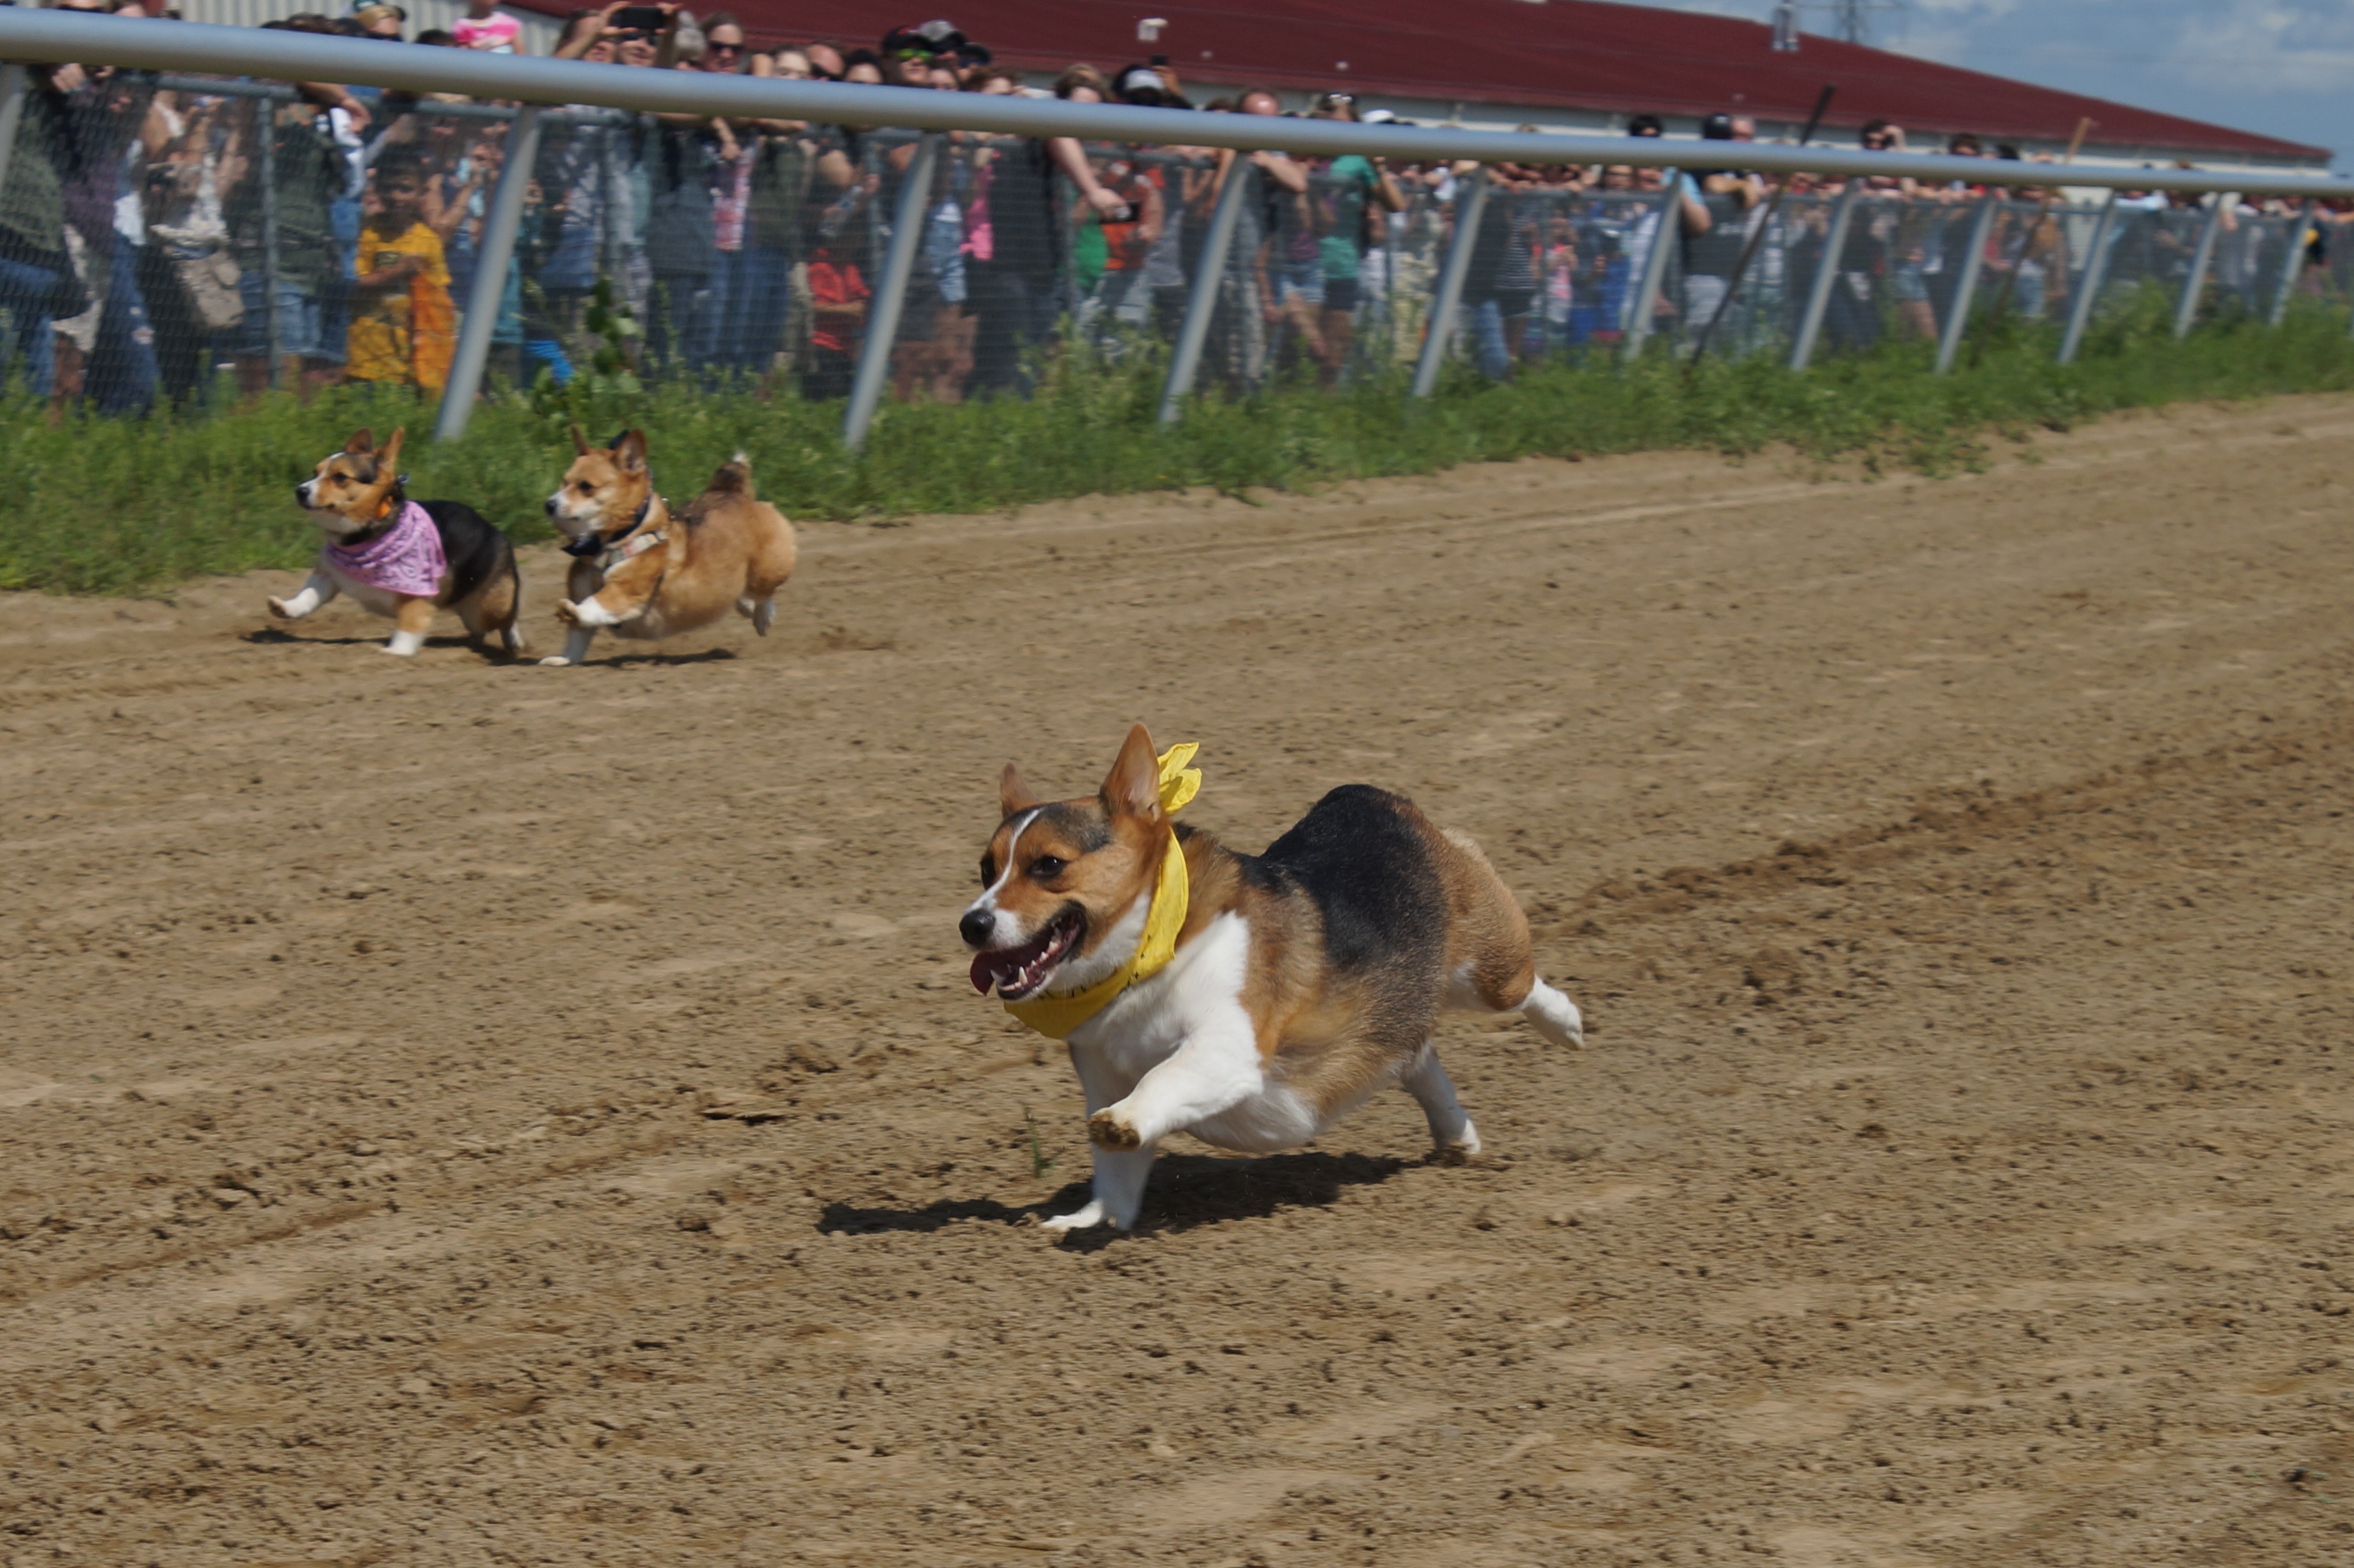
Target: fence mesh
<point>171,240</point>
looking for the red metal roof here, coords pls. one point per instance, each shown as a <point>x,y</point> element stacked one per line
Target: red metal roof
<point>1585,55</point>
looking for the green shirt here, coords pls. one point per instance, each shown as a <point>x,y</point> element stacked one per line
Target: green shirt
<point>1340,196</point>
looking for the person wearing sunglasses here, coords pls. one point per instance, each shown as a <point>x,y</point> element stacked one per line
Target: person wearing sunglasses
<point>724,50</point>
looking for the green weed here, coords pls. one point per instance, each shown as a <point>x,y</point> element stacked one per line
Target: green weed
<point>99,505</point>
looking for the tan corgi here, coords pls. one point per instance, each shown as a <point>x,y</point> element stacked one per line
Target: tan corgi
<point>1252,1000</point>
<point>648,575</point>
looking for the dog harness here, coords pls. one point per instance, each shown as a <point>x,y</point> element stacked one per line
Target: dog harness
<point>1057,1016</point>
<point>403,560</point>
<point>626,546</point>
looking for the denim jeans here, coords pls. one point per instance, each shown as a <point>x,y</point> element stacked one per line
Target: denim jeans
<point>122,370</point>
<point>1490,348</point>
<point>683,318</point>
<point>26,293</point>
<point>758,301</point>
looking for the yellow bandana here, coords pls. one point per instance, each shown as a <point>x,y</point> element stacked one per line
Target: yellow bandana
<point>1057,1016</point>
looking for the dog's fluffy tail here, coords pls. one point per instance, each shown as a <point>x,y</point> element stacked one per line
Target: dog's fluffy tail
<point>734,477</point>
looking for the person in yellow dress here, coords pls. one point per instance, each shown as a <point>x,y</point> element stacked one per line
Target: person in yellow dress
<point>403,324</point>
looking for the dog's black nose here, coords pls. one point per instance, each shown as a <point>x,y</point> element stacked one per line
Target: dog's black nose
<point>976,926</point>
<point>301,499</point>
<point>551,506</point>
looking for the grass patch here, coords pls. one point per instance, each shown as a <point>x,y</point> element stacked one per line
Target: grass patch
<point>98,505</point>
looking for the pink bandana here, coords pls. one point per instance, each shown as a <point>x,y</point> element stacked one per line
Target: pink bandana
<point>405,559</point>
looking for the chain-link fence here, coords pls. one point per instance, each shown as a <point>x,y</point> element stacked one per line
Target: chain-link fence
<point>193,242</point>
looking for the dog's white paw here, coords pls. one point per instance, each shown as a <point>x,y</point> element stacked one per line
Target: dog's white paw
<point>1460,1150</point>
<point>567,613</point>
<point>1109,1129</point>
<point>765,616</point>
<point>398,652</point>
<point>280,608</point>
<point>554,662</point>
<point>1077,1220</point>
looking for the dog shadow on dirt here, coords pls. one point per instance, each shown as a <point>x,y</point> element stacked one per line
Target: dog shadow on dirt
<point>1186,1191</point>
<point>269,636</point>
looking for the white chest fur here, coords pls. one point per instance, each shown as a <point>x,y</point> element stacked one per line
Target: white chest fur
<point>1180,1054</point>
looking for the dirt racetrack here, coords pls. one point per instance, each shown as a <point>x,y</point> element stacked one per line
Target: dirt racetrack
<point>458,1115</point>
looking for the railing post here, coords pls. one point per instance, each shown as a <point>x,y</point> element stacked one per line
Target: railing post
<point>891,298</point>
<point>265,116</point>
<point>1655,264</point>
<point>2088,282</point>
<point>1819,289</point>
<point>2292,264</point>
<point>1957,313</point>
<point>492,256</point>
<point>1209,279</point>
<point>2186,309</point>
<point>1390,284</point>
<point>13,84</point>
<point>1470,202</point>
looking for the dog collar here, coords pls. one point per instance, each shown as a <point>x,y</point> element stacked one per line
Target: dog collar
<point>396,501</point>
<point>1056,1017</point>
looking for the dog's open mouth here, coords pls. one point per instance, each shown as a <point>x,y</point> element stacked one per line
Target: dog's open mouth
<point>1018,971</point>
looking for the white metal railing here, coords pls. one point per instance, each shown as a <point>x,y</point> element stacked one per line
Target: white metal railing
<point>46,36</point>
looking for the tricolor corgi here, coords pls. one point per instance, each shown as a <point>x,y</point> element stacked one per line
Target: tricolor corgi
<point>1252,1000</point>
<point>404,558</point>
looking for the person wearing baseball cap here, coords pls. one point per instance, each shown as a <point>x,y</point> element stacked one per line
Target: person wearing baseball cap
<point>908,52</point>
<point>379,18</point>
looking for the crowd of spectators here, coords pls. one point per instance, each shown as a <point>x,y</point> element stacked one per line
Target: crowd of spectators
<point>152,234</point>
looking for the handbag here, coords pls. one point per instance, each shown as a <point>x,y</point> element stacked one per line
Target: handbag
<point>210,282</point>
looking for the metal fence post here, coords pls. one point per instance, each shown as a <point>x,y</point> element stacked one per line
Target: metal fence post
<point>492,256</point>
<point>891,296</point>
<point>1390,284</point>
<point>1470,202</point>
<point>2292,264</point>
<point>12,111</point>
<point>1957,315</point>
<point>1655,265</point>
<point>265,117</point>
<point>1827,270</point>
<point>1209,278</point>
<point>2186,309</point>
<point>2088,282</point>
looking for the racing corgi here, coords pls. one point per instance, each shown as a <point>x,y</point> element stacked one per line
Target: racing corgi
<point>1252,1000</point>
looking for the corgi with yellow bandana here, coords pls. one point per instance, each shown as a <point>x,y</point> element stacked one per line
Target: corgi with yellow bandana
<point>1252,1000</point>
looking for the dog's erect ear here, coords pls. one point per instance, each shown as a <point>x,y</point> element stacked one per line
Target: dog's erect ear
<point>363,441</point>
<point>629,452</point>
<point>1012,793</point>
<point>580,443</point>
<point>1133,788</point>
<point>390,459</point>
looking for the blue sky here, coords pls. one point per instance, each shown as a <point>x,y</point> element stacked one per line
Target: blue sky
<point>2282,67</point>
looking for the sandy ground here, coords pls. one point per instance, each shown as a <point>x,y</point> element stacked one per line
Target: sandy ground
<point>462,1115</point>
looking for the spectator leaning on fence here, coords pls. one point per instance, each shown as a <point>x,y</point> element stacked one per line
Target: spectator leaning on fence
<point>1348,194</point>
<point>1713,238</point>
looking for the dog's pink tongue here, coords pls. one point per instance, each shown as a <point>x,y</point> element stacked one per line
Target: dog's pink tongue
<point>984,975</point>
